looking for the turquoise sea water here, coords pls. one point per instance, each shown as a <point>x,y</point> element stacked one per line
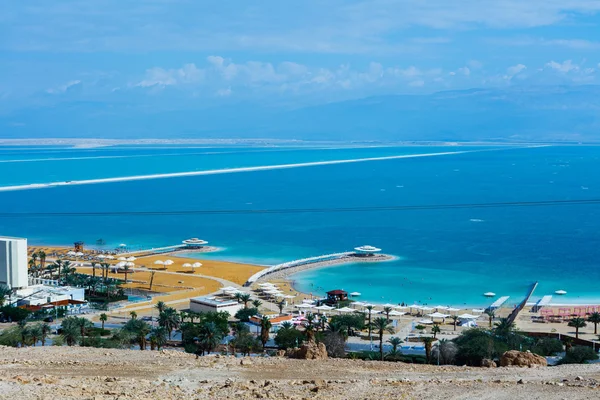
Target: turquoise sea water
<point>445,256</point>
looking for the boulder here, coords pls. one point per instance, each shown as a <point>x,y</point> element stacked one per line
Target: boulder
<point>522,359</point>
<point>487,363</point>
<point>311,351</point>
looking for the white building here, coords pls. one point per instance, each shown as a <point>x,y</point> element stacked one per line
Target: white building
<point>40,295</point>
<point>211,304</point>
<point>13,262</point>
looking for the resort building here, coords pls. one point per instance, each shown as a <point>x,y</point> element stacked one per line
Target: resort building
<point>333,296</point>
<point>212,304</point>
<point>38,297</point>
<point>13,262</point>
<point>366,251</point>
<point>194,243</point>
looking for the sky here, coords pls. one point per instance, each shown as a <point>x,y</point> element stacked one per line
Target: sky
<point>166,52</point>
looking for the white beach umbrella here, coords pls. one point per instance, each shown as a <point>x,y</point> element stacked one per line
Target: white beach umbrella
<point>395,313</point>
<point>71,253</point>
<point>477,310</point>
<point>304,305</point>
<point>489,294</point>
<point>130,264</point>
<point>132,258</point>
<point>110,257</point>
<point>196,265</point>
<point>346,310</point>
<point>101,256</point>
<point>169,262</point>
<point>79,254</point>
<point>440,307</point>
<point>561,292</point>
<point>388,305</point>
<point>438,315</point>
<point>289,296</point>
<point>425,321</point>
<point>159,262</point>
<point>426,309</point>
<point>452,309</point>
<point>120,264</point>
<point>468,316</point>
<point>324,308</point>
<point>187,265</point>
<point>400,307</point>
<point>122,259</point>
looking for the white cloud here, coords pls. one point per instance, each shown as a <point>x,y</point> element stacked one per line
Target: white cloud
<point>187,74</point>
<point>514,70</point>
<point>63,88</point>
<point>564,67</point>
<point>224,92</point>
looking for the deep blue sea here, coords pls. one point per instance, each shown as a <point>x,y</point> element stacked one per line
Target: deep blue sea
<point>447,256</point>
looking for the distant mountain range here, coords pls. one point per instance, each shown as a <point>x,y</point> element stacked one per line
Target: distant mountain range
<point>562,114</point>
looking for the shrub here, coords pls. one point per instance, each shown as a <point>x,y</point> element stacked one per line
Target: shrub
<point>245,314</point>
<point>579,355</point>
<point>547,347</point>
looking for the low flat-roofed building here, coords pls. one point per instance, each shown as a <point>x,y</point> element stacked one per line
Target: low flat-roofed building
<point>42,295</point>
<point>212,304</point>
<point>13,262</point>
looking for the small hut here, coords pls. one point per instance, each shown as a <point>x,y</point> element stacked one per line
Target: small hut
<point>333,296</point>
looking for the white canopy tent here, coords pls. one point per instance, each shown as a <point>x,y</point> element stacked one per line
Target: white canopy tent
<point>438,315</point>
<point>468,316</point>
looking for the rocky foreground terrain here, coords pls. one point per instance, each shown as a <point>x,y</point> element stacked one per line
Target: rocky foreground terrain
<point>87,373</point>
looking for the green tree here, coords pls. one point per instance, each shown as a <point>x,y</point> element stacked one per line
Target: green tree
<point>309,327</point>
<point>288,336</point>
<point>435,329</point>
<point>158,337</point>
<point>244,314</point>
<point>133,315</point>
<point>4,292</point>
<point>243,339</point>
<point>103,319</point>
<point>503,328</point>
<point>42,257</point>
<point>160,306</point>
<point>594,318</point>
<point>491,314</point>
<point>256,303</point>
<point>71,331</point>
<point>281,305</point>
<point>126,270</point>
<point>169,319</point>
<point>137,330</point>
<point>394,353</point>
<point>245,298</point>
<point>45,331</point>
<point>579,355</point>
<point>209,337</point>
<point>577,323</point>
<point>387,311</point>
<point>428,342</point>
<point>381,326</point>
<point>265,327</point>
<point>454,320</point>
<point>84,325</point>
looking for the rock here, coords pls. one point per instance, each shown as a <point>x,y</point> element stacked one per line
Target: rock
<point>520,381</point>
<point>245,362</point>
<point>281,353</point>
<point>311,351</point>
<point>487,363</point>
<point>522,359</point>
<point>578,378</point>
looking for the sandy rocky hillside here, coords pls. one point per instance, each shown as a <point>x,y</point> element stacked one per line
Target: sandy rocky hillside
<point>86,373</point>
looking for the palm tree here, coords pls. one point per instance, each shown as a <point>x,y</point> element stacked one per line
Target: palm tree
<point>369,326</point>
<point>139,329</point>
<point>245,298</point>
<point>309,327</point>
<point>387,311</point>
<point>126,269</point>
<point>435,329</point>
<point>103,319</point>
<point>152,278</point>
<point>57,266</point>
<point>4,291</point>
<point>491,314</point>
<point>133,315</point>
<point>427,341</point>
<point>504,327</point>
<point>169,319</point>
<point>323,320</point>
<point>209,336</point>
<point>256,303</point>
<point>34,258</point>
<point>395,342</point>
<point>160,306</point>
<point>45,331</point>
<point>105,268</point>
<point>281,305</point>
<point>84,324</point>
<point>42,256</point>
<point>34,332</point>
<point>594,318</point>
<point>93,269</point>
<point>158,337</point>
<point>265,327</point>
<point>577,323</point>
<point>382,326</point>
<point>454,320</point>
<point>238,297</point>
<point>32,266</point>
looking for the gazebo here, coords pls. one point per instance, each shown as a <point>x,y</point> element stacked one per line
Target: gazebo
<point>333,296</point>
<point>366,251</point>
<point>194,243</point>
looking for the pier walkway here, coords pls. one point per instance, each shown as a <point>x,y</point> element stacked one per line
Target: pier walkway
<point>498,303</point>
<point>513,315</point>
<point>295,263</point>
